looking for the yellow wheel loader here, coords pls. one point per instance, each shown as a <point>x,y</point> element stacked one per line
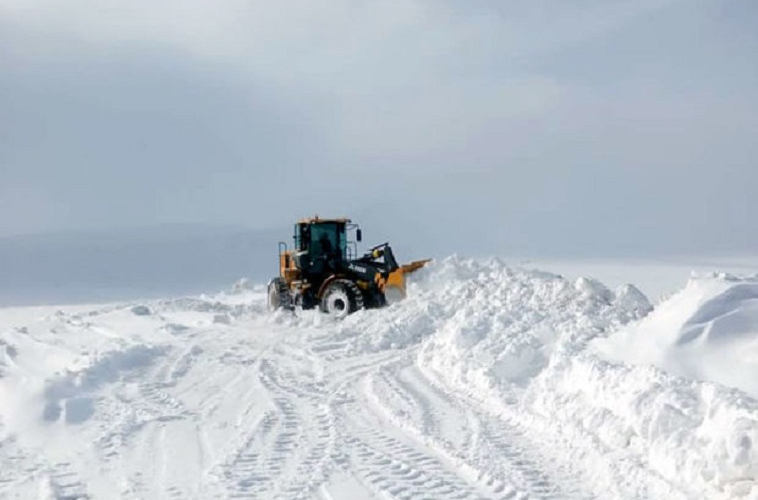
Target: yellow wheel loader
<point>323,270</point>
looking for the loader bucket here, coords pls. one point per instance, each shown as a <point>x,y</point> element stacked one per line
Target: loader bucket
<point>394,287</point>
<point>414,266</point>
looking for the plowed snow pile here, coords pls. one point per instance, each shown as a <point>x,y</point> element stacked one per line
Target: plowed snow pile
<point>517,340</point>
<point>708,331</point>
<point>487,382</point>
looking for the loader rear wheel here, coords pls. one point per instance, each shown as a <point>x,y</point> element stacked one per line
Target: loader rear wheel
<point>341,298</point>
<point>278,295</point>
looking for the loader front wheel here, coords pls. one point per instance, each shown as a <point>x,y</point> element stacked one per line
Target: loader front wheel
<point>341,298</point>
<point>277,295</point>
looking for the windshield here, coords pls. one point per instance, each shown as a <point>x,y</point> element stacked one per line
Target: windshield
<point>327,238</point>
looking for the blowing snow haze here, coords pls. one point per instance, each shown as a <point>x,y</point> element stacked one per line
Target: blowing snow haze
<point>551,128</point>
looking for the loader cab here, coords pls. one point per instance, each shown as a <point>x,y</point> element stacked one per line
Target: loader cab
<point>321,238</point>
<point>322,244</point>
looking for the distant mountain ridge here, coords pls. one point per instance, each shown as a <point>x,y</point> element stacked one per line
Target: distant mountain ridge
<point>132,263</point>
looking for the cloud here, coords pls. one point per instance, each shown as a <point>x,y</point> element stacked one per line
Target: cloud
<point>547,119</point>
<point>218,27</point>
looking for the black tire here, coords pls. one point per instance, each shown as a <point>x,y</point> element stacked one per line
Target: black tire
<point>278,295</point>
<point>342,297</point>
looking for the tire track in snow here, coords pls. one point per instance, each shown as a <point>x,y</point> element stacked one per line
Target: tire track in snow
<point>385,461</point>
<point>535,436</point>
<point>246,474</point>
<point>256,464</point>
<point>491,453</point>
<point>286,457</point>
<point>145,421</point>
<point>182,365</point>
<point>481,485</point>
<point>65,484</point>
<point>380,454</point>
<point>499,446</point>
<point>318,433</point>
<point>54,482</point>
<point>391,467</point>
<point>19,469</point>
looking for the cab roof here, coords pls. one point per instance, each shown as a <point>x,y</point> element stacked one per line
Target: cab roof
<point>319,220</point>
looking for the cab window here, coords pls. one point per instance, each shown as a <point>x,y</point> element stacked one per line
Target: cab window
<point>324,238</point>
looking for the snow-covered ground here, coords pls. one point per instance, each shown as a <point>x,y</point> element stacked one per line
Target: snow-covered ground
<point>487,382</point>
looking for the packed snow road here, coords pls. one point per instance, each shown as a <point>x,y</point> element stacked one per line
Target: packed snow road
<point>480,386</point>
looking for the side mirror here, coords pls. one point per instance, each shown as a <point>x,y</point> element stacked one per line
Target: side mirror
<point>359,235</point>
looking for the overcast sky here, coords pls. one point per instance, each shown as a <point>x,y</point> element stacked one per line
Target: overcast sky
<point>587,127</point>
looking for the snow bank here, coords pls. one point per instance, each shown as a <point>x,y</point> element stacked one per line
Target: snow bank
<point>708,331</point>
<point>468,300</point>
<point>503,324</point>
<point>694,434</point>
<point>518,340</point>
